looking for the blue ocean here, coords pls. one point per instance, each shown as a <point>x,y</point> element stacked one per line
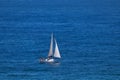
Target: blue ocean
<point>87,33</point>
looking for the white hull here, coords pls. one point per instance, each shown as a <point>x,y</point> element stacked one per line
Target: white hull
<point>47,60</point>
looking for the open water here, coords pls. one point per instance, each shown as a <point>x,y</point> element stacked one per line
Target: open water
<point>87,32</point>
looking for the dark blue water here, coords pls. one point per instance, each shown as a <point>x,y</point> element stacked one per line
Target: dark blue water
<point>87,32</point>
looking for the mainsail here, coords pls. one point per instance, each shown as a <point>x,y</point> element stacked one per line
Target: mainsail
<point>56,53</point>
<point>51,47</point>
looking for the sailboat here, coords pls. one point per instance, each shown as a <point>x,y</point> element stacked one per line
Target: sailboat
<point>53,53</point>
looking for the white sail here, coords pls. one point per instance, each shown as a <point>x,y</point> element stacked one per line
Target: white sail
<point>51,47</point>
<point>56,53</point>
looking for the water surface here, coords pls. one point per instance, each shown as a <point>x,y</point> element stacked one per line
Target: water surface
<point>87,32</point>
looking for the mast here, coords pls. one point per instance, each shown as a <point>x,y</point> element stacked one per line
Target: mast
<point>57,52</point>
<point>51,47</point>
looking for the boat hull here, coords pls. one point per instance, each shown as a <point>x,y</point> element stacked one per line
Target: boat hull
<point>42,60</point>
